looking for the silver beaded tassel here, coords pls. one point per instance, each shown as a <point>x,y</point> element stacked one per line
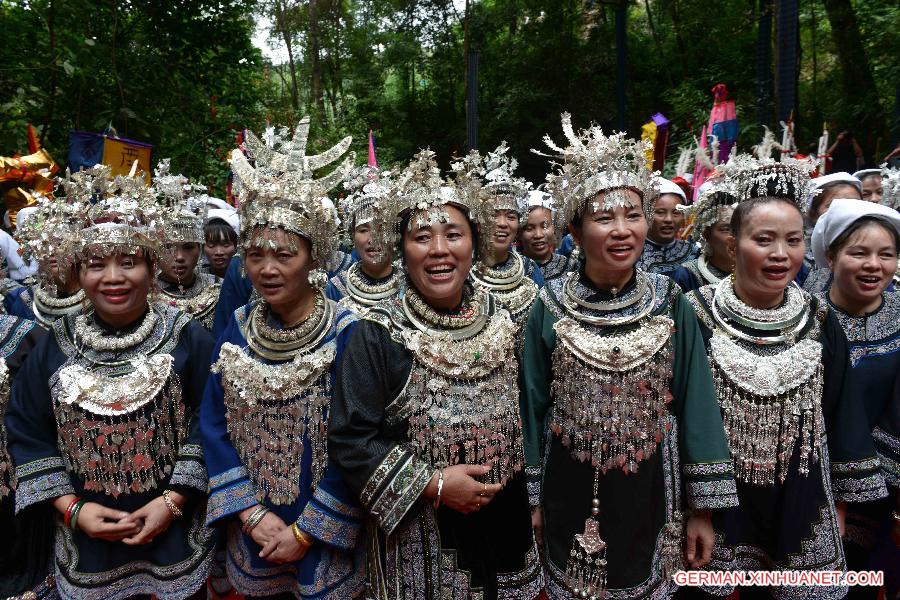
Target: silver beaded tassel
<point>268,436</point>
<point>612,419</point>
<point>124,453</point>
<point>586,569</point>
<point>762,431</point>
<point>477,420</point>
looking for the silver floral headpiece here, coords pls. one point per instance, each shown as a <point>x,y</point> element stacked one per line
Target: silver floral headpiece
<point>43,227</point>
<point>490,185</point>
<point>594,162</point>
<point>113,215</point>
<point>185,200</point>
<point>365,187</point>
<point>890,181</point>
<point>418,189</point>
<point>718,197</point>
<point>763,177</point>
<point>279,190</point>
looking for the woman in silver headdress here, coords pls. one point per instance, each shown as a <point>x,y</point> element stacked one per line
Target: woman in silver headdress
<point>781,366</point>
<point>425,423</point>
<point>712,228</point>
<point>291,525</point>
<point>622,435</point>
<point>102,421</point>
<point>514,279</point>
<point>57,292</point>
<point>181,283</point>
<point>373,277</point>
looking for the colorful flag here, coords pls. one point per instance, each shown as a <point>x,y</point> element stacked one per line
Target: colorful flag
<point>723,122</point>
<point>120,154</point>
<point>373,162</point>
<point>87,149</point>
<point>657,132</point>
<point>33,145</point>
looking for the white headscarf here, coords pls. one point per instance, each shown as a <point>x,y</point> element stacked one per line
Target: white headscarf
<point>843,213</point>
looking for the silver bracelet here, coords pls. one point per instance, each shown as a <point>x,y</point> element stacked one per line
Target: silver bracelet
<point>437,500</point>
<point>253,520</point>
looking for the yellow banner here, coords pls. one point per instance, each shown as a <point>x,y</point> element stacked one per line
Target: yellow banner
<point>121,155</point>
<point>648,132</point>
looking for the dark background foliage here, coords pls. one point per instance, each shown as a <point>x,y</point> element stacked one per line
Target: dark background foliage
<point>185,76</point>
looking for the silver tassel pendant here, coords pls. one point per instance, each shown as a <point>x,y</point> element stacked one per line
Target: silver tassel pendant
<point>673,538</point>
<point>586,569</point>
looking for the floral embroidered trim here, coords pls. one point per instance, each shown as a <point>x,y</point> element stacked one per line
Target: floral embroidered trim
<point>706,469</point>
<point>711,494</point>
<point>191,473</point>
<point>37,489</point>
<point>852,467</point>
<point>887,448</point>
<point>175,580</point>
<point>7,473</point>
<point>330,528</point>
<point>225,501</point>
<point>394,487</point>
<point>859,489</point>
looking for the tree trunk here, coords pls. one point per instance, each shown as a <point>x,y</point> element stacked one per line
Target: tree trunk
<point>315,62</point>
<point>764,64</point>
<point>856,73</point>
<point>51,30</point>
<point>281,23</point>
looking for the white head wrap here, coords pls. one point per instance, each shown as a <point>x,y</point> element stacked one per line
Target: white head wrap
<point>229,216</point>
<point>866,172</point>
<point>843,213</point>
<point>539,199</point>
<point>667,186</point>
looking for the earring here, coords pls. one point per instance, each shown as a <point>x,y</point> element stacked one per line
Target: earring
<point>318,279</point>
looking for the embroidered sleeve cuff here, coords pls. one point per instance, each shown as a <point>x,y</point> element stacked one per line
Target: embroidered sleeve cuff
<point>394,487</point>
<point>859,481</point>
<point>533,483</point>
<point>190,471</point>
<point>710,485</point>
<point>230,493</point>
<point>41,480</point>
<point>887,448</point>
<point>331,521</point>
<point>720,493</point>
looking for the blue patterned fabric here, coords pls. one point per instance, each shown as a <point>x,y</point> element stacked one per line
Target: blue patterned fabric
<point>334,566</point>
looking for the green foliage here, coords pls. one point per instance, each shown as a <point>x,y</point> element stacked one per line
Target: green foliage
<point>152,68</point>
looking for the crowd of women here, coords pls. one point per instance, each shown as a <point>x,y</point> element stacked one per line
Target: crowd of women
<point>426,411</point>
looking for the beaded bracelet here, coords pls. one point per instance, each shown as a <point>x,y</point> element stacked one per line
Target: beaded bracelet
<point>170,504</point>
<point>67,519</point>
<point>440,490</point>
<point>301,536</point>
<point>253,520</point>
<point>73,519</point>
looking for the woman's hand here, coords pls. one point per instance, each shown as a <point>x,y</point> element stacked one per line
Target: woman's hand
<point>537,523</point>
<point>269,528</point>
<point>152,519</point>
<point>283,547</point>
<point>461,491</point>
<point>699,532</point>
<point>102,523</point>
<point>840,510</point>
